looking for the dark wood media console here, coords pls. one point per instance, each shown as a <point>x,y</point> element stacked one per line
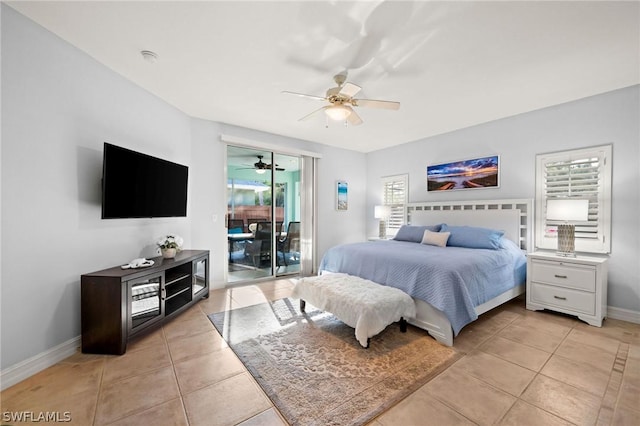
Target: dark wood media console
<point>117,303</point>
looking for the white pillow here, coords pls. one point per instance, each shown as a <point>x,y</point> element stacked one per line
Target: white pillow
<point>435,238</point>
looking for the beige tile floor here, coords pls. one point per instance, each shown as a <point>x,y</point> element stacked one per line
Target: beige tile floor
<point>520,368</point>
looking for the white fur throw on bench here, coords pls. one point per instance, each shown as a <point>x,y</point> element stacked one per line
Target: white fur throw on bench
<point>362,304</point>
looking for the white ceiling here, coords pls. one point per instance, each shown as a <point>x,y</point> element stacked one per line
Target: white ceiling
<point>450,64</point>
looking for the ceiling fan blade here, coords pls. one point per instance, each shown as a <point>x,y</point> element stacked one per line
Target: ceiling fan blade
<point>349,90</point>
<point>371,103</point>
<point>354,119</point>
<point>302,95</point>
<point>279,169</point>
<point>308,116</point>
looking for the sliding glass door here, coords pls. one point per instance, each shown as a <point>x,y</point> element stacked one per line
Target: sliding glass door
<point>263,214</point>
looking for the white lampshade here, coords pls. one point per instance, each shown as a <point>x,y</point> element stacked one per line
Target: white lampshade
<point>338,112</point>
<point>569,210</point>
<point>381,212</point>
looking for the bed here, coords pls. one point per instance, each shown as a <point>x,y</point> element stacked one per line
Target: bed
<point>451,286</point>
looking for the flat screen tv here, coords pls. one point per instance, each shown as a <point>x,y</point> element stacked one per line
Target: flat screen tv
<point>136,185</point>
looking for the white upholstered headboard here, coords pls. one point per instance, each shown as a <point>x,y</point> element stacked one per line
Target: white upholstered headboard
<point>514,217</point>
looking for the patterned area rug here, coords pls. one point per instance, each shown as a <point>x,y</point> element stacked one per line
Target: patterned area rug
<point>314,370</point>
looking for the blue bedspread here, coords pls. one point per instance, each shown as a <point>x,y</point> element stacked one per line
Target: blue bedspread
<point>452,279</point>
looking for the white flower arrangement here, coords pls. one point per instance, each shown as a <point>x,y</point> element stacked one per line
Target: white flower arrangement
<point>170,242</point>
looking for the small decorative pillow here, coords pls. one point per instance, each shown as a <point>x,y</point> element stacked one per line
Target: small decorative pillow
<point>413,233</point>
<point>473,237</point>
<point>435,238</point>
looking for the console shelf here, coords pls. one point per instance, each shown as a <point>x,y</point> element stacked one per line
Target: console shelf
<point>174,280</point>
<point>117,303</point>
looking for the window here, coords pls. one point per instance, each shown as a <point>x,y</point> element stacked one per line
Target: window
<point>583,174</point>
<point>394,195</point>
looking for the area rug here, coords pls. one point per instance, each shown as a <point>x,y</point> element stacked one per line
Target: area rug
<point>316,373</point>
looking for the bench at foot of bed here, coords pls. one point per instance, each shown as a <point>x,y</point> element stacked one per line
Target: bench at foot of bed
<point>362,304</point>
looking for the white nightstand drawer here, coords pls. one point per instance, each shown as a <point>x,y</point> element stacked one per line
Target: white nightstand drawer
<point>576,285</point>
<point>581,277</point>
<point>573,300</point>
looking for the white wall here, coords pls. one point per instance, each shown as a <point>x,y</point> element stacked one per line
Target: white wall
<point>610,118</point>
<point>208,195</point>
<point>209,200</point>
<point>58,107</point>
<point>339,227</point>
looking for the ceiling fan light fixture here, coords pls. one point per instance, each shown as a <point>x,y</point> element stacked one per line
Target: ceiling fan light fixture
<point>260,171</point>
<point>338,112</point>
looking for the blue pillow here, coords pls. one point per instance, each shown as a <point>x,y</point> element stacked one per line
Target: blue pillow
<point>413,233</point>
<point>235,231</point>
<point>473,237</point>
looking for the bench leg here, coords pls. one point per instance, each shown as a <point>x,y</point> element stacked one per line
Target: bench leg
<point>302,305</point>
<point>403,325</point>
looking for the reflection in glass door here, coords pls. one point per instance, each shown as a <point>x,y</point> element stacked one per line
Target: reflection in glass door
<point>287,178</point>
<point>145,295</point>
<point>262,186</point>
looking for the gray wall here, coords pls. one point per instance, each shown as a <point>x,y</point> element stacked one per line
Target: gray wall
<point>58,107</point>
<point>610,118</point>
<point>209,202</point>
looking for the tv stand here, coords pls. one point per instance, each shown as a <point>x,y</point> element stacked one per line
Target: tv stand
<point>117,303</point>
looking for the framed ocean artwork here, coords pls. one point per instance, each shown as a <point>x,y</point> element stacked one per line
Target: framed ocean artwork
<point>342,194</point>
<point>476,173</point>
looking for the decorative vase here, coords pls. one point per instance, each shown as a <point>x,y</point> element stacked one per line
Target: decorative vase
<point>168,253</point>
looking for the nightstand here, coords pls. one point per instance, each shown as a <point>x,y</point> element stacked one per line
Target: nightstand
<point>573,285</point>
<point>377,239</point>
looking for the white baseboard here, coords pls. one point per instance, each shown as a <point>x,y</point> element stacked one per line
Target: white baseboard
<point>623,314</point>
<point>27,368</point>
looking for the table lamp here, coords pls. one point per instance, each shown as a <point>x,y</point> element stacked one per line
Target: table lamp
<point>568,211</point>
<point>382,213</point>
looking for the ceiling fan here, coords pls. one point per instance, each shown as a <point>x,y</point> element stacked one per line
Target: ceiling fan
<point>341,101</point>
<point>261,167</point>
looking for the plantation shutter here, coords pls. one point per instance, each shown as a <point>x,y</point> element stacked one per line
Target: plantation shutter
<point>394,195</point>
<point>579,174</point>
<point>579,178</point>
